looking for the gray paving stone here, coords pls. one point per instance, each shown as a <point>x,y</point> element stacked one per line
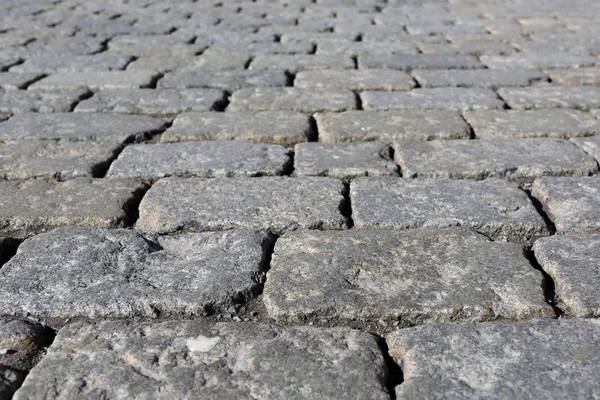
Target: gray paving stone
<point>60,63</point>
<point>539,60</point>
<point>468,47</point>
<point>387,126</point>
<point>595,113</point>
<point>498,360</point>
<point>343,160</point>
<point>224,360</point>
<point>520,160</point>
<point>165,45</point>
<point>292,99</point>
<point>409,62</point>
<point>412,277</point>
<point>261,48</point>
<point>42,101</point>
<point>276,204</point>
<point>214,159</point>
<point>4,116</point>
<point>157,63</point>
<point>369,79</point>
<point>317,37</point>
<point>454,99</point>
<point>217,62</point>
<point>555,123</point>
<point>572,203</point>
<point>477,78</point>
<point>494,207</point>
<point>225,80</point>
<point>118,273</point>
<point>96,80</point>
<point>355,49</point>
<point>74,126</point>
<point>591,145</point>
<point>8,60</point>
<point>300,62</point>
<point>582,98</point>
<point>152,101</point>
<point>575,77</point>
<point>67,46</point>
<point>14,81</point>
<point>281,127</point>
<point>38,205</point>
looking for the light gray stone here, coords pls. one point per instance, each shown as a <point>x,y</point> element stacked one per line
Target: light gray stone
<point>14,81</point>
<point>26,159</point>
<point>67,46</point>
<point>578,97</point>
<point>74,126</point>
<point>539,60</point>
<point>300,62</point>
<point>411,277</point>
<point>572,203</point>
<point>149,45</point>
<point>4,116</point>
<point>572,262</point>
<point>408,62</point>
<point>96,80</point>
<point>158,64</point>
<point>276,204</point>
<point>494,207</point>
<point>474,48</point>
<point>477,78</point>
<point>260,48</point>
<point>520,160</point>
<point>355,49</point>
<point>317,37</point>
<point>195,360</point>
<point>214,159</point>
<point>41,101</point>
<point>8,60</point>
<point>575,77</point>
<point>369,79</point>
<point>152,101</point>
<point>292,99</point>
<point>498,360</point>
<point>118,273</point>
<point>555,123</point>
<point>591,145</point>
<point>281,127</point>
<point>210,61</point>
<point>454,99</point>
<point>60,63</point>
<point>225,80</point>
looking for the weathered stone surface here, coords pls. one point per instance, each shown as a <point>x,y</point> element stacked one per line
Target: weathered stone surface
<point>4,116</point>
<point>494,207</point>
<point>355,49</point>
<point>317,37</point>
<point>413,277</point>
<point>455,99</point>
<point>148,45</point>
<point>387,126</point>
<point>498,360</point>
<point>276,204</point>
<point>591,145</point>
<point>67,46</point>
<point>575,77</point>
<point>96,80</point>
<point>369,79</point>
<point>158,64</point>
<point>216,62</point>
<point>477,78</point>
<point>300,62</point>
<point>72,126</point>
<point>13,81</point>
<point>225,80</point>
<point>572,203</point>
<point>475,48</point>
<point>539,60</point>
<point>281,127</point>
<point>37,205</point>
<point>152,101</point>
<point>214,159</point>
<point>26,159</point>
<point>292,99</point>
<point>579,97</point>
<point>409,62</point>
<point>197,360</point>
<point>117,273</point>
<point>555,123</point>
<point>42,101</point>
<point>60,63</point>
<point>520,160</point>
<point>261,48</point>
<point>343,160</point>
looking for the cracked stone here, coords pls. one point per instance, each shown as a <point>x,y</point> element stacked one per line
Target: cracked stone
<point>370,79</point>
<point>408,62</point>
<point>14,81</point>
<point>60,63</point>
<point>453,99</point>
<point>539,60</point>
<point>96,80</point>
<point>591,145</point>
<point>225,80</point>
<point>578,97</point>
<point>42,101</point>
<point>477,78</point>
<point>575,77</point>
<point>300,62</point>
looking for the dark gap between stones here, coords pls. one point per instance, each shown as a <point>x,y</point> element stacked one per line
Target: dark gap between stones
<point>548,285</point>
<point>395,376</point>
<point>346,206</point>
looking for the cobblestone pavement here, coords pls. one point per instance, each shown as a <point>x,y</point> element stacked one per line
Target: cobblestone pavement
<point>299,199</point>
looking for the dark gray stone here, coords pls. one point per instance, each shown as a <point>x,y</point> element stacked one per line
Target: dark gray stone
<point>225,80</point>
<point>578,97</point>
<point>369,79</point>
<point>292,99</point>
<point>454,99</point>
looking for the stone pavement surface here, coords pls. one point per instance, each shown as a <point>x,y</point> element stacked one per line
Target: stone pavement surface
<point>277,199</point>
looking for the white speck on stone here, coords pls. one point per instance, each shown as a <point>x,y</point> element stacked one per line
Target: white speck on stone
<point>202,343</point>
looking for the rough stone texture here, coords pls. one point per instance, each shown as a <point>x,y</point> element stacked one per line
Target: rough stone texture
<point>276,204</point>
<point>117,273</point>
<point>520,160</point>
<point>370,79</point>
<point>579,97</point>
<point>409,62</point>
<point>4,116</point>
<point>197,360</point>
<point>555,123</point>
<point>225,80</point>
<point>539,60</point>
<point>343,160</point>
<point>498,360</point>
<point>387,126</point>
<point>96,80</point>
<point>13,81</point>
<point>216,62</point>
<point>477,78</point>
<point>72,126</point>
<point>60,63</point>
<point>214,159</point>
<point>455,99</point>
<point>26,159</point>
<point>151,45</point>
<point>575,77</point>
<point>42,101</point>
<point>494,207</point>
<point>37,205</point>
<point>292,99</point>
<point>572,203</point>
<point>591,145</point>
<point>281,127</point>
<point>355,49</point>
<point>475,48</point>
<point>152,101</point>
<point>413,277</point>
<point>299,62</point>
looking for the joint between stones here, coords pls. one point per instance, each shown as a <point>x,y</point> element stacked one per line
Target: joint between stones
<point>346,205</point>
<point>548,285</point>
<point>540,209</point>
<point>394,374</point>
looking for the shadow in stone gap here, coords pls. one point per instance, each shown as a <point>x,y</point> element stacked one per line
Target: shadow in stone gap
<point>548,285</point>
<point>395,376</point>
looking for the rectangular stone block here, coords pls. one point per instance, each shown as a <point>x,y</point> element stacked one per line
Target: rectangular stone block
<point>41,101</point>
<point>369,79</point>
<point>475,48</point>
<point>317,37</point>
<point>300,62</point>
<point>408,62</point>
<point>356,49</point>
<point>59,63</point>
<point>97,80</point>
<point>225,80</point>
<point>148,45</point>
<point>261,48</point>
<point>410,277</point>
<point>214,159</point>
<point>575,77</point>
<point>496,208</point>
<point>454,99</point>
<point>539,60</point>
<point>581,98</point>
<point>490,78</point>
<point>276,204</point>
<point>591,145</point>
<point>281,127</point>
<point>14,81</point>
